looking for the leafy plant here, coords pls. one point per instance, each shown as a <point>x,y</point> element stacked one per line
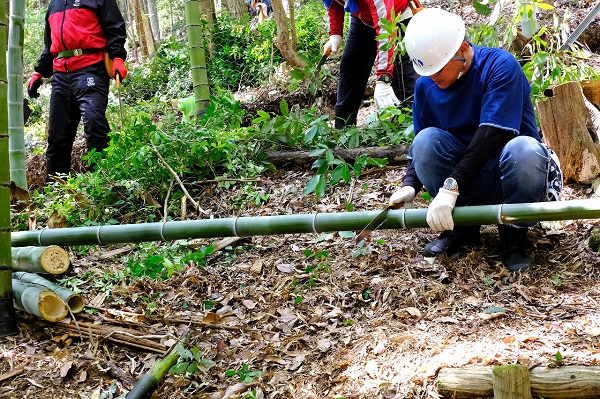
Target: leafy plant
<point>331,170</point>
<point>244,374</point>
<point>190,362</point>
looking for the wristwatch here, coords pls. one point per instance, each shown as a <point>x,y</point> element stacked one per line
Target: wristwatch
<point>451,184</point>
<point>385,78</point>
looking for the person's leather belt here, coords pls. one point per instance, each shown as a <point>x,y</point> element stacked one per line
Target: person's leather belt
<point>77,52</point>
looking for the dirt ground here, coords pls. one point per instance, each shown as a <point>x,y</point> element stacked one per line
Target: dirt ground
<point>376,322</point>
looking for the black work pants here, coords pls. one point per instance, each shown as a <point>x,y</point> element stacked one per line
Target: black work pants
<point>76,95</point>
<point>356,64</point>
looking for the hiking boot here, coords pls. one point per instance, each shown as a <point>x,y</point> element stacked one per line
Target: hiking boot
<point>450,241</point>
<point>514,248</point>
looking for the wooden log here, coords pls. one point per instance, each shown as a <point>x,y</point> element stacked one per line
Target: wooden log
<point>564,119</point>
<point>511,382</point>
<point>52,259</point>
<point>74,301</point>
<point>302,159</point>
<point>39,301</point>
<point>572,382</point>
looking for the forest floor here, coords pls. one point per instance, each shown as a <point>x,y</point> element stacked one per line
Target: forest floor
<point>312,315</point>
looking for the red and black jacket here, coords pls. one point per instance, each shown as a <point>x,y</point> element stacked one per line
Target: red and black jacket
<point>81,24</point>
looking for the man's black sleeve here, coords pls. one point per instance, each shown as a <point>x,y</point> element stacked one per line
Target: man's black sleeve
<point>411,178</point>
<point>487,141</point>
<point>113,26</point>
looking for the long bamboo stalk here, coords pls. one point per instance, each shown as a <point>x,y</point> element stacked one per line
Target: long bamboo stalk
<point>52,259</point>
<point>8,319</point>
<point>18,167</point>
<point>74,301</point>
<point>39,301</point>
<point>302,223</point>
<point>193,20</point>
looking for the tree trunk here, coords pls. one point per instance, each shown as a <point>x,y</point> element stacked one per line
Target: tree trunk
<point>564,120</point>
<point>197,56</point>
<point>144,33</point>
<point>237,8</point>
<point>16,130</point>
<point>207,9</point>
<point>154,22</point>
<point>303,159</point>
<point>283,41</point>
<point>8,319</point>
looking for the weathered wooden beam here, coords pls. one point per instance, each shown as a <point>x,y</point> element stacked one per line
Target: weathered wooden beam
<point>572,382</point>
<point>511,382</point>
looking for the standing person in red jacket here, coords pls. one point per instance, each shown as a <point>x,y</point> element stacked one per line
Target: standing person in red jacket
<point>395,79</point>
<point>76,36</point>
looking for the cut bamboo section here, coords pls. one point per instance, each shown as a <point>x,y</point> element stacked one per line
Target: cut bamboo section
<point>39,301</point>
<point>572,382</point>
<point>51,260</point>
<point>304,223</point>
<point>74,301</point>
<point>147,384</point>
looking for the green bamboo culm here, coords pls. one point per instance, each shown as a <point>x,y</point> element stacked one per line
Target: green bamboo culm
<point>197,55</point>
<point>39,301</point>
<point>303,223</point>
<point>147,384</point>
<point>74,301</point>
<point>46,260</point>
<point>14,60</point>
<point>8,319</point>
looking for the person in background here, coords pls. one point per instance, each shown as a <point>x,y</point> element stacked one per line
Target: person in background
<point>476,139</point>
<point>76,37</point>
<point>395,79</point>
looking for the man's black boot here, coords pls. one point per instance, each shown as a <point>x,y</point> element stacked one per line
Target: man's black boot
<point>514,248</point>
<point>450,241</point>
<point>345,116</point>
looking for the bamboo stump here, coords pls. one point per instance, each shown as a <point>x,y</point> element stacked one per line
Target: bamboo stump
<point>567,382</point>
<point>511,382</point>
<point>564,119</point>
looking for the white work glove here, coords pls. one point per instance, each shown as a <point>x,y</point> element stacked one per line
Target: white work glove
<point>403,197</point>
<point>439,214</point>
<point>384,95</point>
<point>334,44</point>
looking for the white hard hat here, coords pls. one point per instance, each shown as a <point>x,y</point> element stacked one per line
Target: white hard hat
<point>433,36</point>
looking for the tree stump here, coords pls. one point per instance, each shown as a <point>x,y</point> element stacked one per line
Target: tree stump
<point>564,119</point>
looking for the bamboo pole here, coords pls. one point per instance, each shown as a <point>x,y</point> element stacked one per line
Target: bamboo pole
<point>193,19</point>
<point>52,259</point>
<point>8,319</point>
<point>18,165</point>
<point>302,223</point>
<point>147,384</point>
<point>39,301</point>
<point>74,301</point>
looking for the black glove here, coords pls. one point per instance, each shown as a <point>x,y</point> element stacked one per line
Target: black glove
<point>33,84</point>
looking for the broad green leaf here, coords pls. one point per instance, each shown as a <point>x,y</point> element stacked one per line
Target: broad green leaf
<point>285,109</point>
<point>481,9</point>
<point>346,173</point>
<point>346,234</point>
<point>321,185</point>
<point>311,185</point>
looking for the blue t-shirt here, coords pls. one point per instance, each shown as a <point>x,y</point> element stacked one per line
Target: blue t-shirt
<point>493,92</point>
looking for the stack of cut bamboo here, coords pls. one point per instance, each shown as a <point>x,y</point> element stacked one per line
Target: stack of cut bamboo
<point>37,295</point>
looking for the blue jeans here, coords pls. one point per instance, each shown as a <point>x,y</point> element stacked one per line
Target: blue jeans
<point>517,174</point>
